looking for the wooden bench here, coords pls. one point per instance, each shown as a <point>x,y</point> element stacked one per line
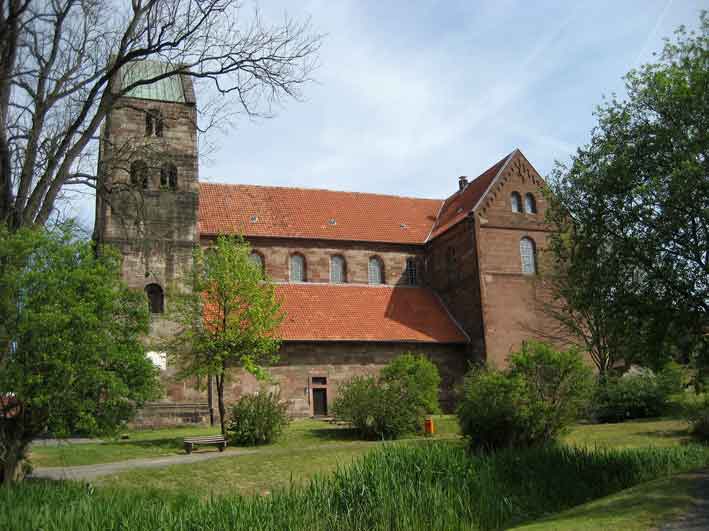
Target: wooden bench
<point>206,440</point>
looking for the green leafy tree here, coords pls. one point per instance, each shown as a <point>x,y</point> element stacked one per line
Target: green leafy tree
<point>529,404</point>
<point>71,360</point>
<point>419,376</point>
<point>630,251</point>
<point>229,318</point>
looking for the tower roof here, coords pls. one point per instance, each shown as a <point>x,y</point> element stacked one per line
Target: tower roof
<point>165,89</point>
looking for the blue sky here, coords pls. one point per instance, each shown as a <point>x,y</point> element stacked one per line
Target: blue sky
<point>412,94</point>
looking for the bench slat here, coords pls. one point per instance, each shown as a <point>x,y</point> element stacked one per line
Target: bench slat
<point>191,442</point>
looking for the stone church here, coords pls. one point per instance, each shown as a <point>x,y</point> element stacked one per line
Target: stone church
<point>362,277</point>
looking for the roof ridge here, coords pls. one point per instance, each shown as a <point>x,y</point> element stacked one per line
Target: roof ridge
<point>494,179</point>
<point>303,188</point>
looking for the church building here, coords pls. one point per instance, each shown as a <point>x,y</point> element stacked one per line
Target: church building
<point>362,277</point>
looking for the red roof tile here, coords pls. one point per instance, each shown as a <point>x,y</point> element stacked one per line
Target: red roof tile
<point>326,214</point>
<point>349,312</point>
<point>319,214</point>
<point>460,204</point>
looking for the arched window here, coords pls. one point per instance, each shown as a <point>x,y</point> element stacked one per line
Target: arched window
<point>168,176</point>
<point>516,202</point>
<point>257,259</point>
<point>411,272</point>
<point>376,270</point>
<point>156,299</point>
<point>297,268</point>
<point>528,254</point>
<point>338,273</point>
<point>153,123</point>
<point>139,174</point>
<point>530,205</point>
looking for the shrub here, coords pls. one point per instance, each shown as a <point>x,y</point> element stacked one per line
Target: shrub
<point>492,413</point>
<point>560,386</point>
<point>420,377</point>
<point>377,409</point>
<point>629,397</point>
<point>696,411</point>
<point>529,404</point>
<point>672,379</point>
<point>257,419</point>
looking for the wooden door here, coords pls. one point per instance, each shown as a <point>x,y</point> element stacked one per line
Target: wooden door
<point>320,401</point>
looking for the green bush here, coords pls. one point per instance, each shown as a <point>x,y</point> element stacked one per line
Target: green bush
<point>378,410</point>
<point>492,413</point>
<point>395,403</point>
<point>257,419</point>
<point>420,377</point>
<point>672,379</point>
<point>529,404</point>
<point>628,397</point>
<point>696,411</point>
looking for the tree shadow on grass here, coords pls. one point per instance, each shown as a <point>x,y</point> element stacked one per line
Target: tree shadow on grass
<point>641,500</point>
<point>166,443</point>
<point>336,434</point>
<point>684,436</point>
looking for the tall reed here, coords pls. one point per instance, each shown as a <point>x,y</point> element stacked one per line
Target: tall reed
<point>432,486</point>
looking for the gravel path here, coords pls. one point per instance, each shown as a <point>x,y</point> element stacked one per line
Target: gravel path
<point>65,442</point>
<point>697,518</point>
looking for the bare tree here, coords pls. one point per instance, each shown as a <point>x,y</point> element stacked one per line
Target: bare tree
<point>60,59</point>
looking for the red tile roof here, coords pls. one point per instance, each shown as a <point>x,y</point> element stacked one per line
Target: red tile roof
<point>325,214</point>
<point>353,312</point>
<point>318,214</point>
<point>460,204</point>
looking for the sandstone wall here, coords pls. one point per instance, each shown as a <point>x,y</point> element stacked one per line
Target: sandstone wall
<point>452,271</point>
<point>276,253</point>
<point>510,310</point>
<point>337,362</point>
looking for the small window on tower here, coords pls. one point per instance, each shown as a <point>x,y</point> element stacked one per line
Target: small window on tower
<point>139,174</point>
<point>375,270</point>
<point>516,202</point>
<point>528,253</point>
<point>337,269</point>
<point>257,259</point>
<point>297,268</point>
<point>153,123</point>
<point>168,176</point>
<point>156,299</point>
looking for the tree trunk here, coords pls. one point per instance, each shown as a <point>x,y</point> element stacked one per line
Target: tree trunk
<point>12,469</point>
<point>220,398</point>
<point>210,399</point>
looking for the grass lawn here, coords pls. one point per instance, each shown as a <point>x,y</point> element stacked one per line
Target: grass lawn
<point>387,485</point>
<point>161,442</point>
<point>247,474</point>
<point>638,508</point>
<point>662,433</point>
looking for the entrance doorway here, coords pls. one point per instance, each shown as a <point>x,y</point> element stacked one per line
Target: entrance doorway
<point>320,401</point>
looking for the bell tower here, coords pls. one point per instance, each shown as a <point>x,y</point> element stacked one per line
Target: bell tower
<point>147,206</point>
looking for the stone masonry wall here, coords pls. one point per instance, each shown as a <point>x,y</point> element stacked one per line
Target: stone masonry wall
<point>337,362</point>
<point>452,271</point>
<point>276,253</point>
<point>510,313</point>
<point>340,361</point>
<point>155,228</point>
